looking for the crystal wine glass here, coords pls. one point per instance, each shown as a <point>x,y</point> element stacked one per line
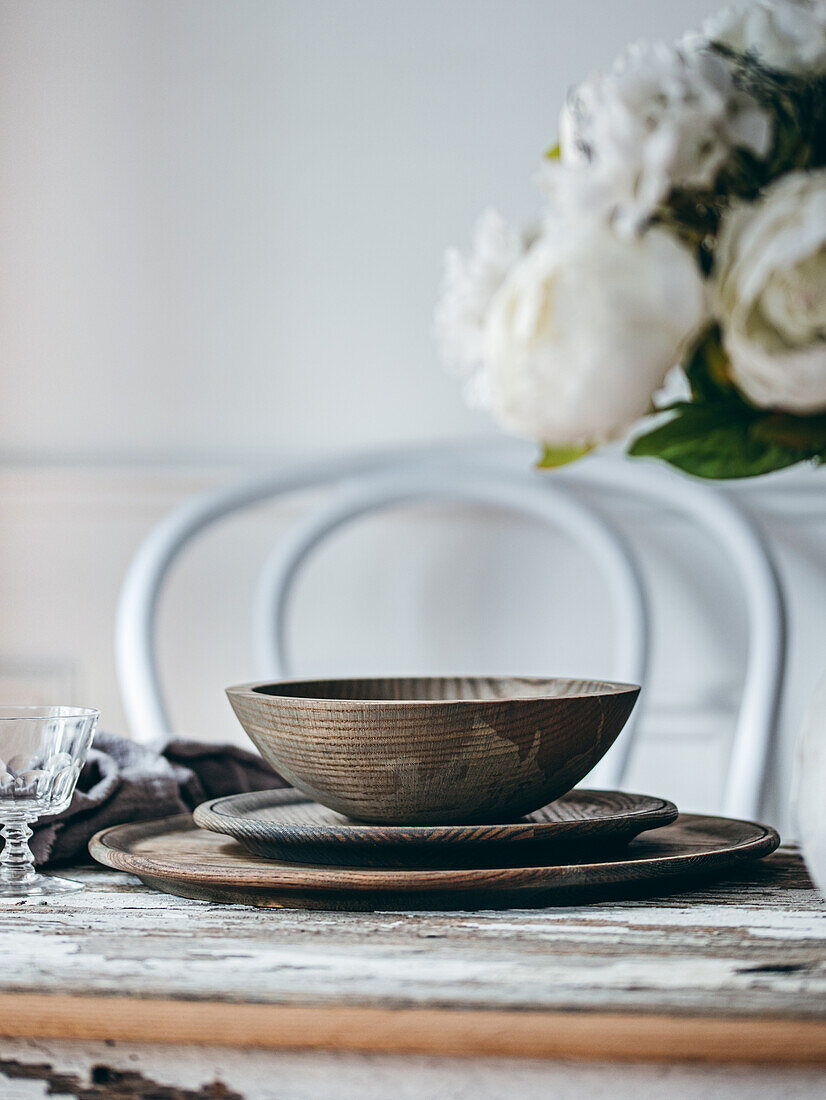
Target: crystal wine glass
<point>42,750</point>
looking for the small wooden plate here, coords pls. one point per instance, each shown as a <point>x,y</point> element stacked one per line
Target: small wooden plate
<point>287,825</point>
<point>175,856</point>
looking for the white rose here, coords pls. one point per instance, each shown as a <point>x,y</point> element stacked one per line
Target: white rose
<point>585,328</point>
<point>770,294</point>
<point>663,117</point>
<point>782,35</point>
<point>468,286</point>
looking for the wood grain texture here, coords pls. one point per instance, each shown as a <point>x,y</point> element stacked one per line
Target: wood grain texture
<point>287,825</point>
<point>175,856</point>
<point>597,1036</point>
<point>734,972</point>
<point>434,750</point>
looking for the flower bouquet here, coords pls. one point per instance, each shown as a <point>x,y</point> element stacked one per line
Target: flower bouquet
<point>672,292</point>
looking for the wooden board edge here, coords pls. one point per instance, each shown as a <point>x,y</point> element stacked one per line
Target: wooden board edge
<point>586,1035</point>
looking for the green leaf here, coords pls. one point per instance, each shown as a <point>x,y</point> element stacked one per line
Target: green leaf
<point>713,441</point>
<point>560,456</point>
<point>801,433</point>
<point>553,153</point>
<point>718,434</point>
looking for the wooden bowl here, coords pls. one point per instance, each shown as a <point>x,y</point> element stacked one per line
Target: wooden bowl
<point>434,750</point>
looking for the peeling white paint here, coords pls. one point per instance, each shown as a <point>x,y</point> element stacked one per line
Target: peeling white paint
<point>716,949</point>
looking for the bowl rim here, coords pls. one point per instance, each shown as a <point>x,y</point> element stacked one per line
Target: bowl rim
<point>253,690</point>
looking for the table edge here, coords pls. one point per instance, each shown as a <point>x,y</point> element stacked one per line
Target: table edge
<point>582,1035</point>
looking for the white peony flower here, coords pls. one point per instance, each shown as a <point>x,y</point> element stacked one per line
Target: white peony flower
<point>585,328</point>
<point>770,294</point>
<point>786,36</point>
<point>663,117</point>
<point>469,284</point>
<point>573,189</point>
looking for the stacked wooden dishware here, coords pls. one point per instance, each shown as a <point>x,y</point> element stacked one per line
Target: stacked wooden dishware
<point>431,793</point>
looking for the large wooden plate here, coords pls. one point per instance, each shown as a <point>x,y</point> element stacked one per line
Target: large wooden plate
<point>175,856</point>
<point>287,825</point>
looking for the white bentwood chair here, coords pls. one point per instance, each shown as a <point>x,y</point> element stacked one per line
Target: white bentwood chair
<point>498,475</point>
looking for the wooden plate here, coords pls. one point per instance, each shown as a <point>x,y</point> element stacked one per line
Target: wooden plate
<point>287,825</point>
<point>175,856</point>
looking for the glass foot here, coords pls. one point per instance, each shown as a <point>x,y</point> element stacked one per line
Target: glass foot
<point>37,885</point>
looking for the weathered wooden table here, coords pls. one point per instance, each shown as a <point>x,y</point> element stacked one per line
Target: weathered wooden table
<point>121,991</point>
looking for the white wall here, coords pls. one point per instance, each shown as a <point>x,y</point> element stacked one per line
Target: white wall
<point>222,226</point>
<point>222,222</point>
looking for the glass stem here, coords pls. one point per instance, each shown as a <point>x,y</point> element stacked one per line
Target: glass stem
<point>16,859</point>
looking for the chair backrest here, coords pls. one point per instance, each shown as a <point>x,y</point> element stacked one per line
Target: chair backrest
<point>497,475</point>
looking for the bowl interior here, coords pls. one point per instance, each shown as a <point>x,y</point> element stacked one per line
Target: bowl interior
<point>446,689</point>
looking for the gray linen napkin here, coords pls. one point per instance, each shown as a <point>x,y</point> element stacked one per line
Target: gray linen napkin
<point>123,781</point>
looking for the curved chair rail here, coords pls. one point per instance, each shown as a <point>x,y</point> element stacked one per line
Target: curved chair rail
<point>738,535</point>
<point>547,503</point>
<point>136,664</point>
